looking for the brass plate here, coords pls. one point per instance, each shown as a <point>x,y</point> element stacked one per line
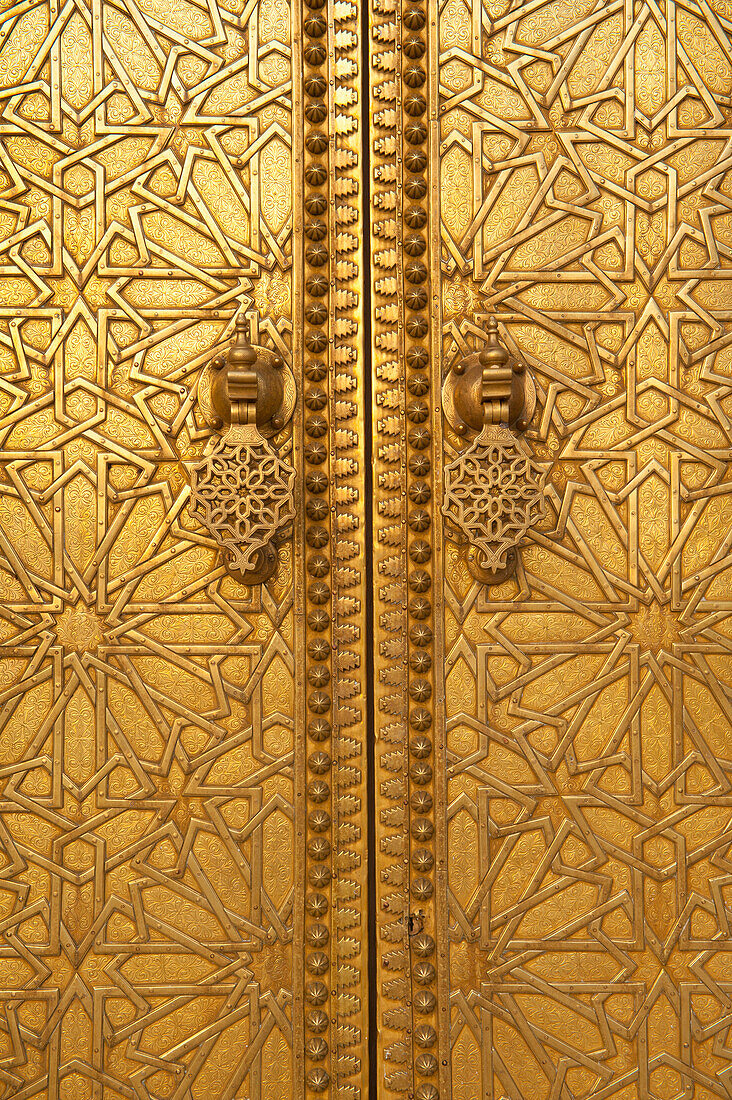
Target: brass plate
<point>567,848</point>
<point>464,410</point>
<point>284,409</point>
<point>183,761</point>
<point>173,925</point>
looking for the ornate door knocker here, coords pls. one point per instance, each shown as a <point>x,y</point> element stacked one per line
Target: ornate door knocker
<point>494,490</point>
<point>242,489</point>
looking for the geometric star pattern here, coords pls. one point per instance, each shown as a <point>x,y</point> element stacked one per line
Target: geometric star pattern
<point>585,177</point>
<point>148,702</point>
<point>147,699</point>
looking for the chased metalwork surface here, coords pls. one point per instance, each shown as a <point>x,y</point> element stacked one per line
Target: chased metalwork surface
<point>183,756</point>
<point>583,157</point>
<point>159,868</point>
<point>578,163</point>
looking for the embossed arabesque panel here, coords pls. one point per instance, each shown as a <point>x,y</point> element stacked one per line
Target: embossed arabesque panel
<point>584,176</point>
<point>182,756</point>
<point>578,186</point>
<point>159,874</point>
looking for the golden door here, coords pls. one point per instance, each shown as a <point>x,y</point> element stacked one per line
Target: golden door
<point>181,838</point>
<point>365,550</point>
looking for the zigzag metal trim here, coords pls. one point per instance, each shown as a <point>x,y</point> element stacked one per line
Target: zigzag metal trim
<point>390,596</point>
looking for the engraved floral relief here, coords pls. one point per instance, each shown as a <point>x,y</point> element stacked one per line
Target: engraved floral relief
<point>148,700</point>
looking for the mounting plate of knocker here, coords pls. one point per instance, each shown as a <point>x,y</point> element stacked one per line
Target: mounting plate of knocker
<point>276,397</point>
<point>462,398</point>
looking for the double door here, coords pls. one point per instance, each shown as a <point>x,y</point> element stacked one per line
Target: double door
<point>365,414</point>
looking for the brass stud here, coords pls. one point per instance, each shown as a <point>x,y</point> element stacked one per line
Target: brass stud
<point>317,962</point>
<point>425,1035</point>
<point>424,973</point>
<point>317,1021</point>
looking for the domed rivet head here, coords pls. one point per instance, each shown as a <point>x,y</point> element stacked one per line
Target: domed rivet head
<point>461,429</point>
<point>459,368</point>
<point>277,423</point>
<point>425,1035</point>
<point>217,422</point>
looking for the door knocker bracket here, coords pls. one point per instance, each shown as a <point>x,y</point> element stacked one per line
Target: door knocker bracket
<point>494,490</point>
<point>488,383</point>
<point>242,490</point>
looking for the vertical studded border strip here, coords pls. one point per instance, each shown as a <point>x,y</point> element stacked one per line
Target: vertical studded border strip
<point>409,1050</point>
<point>442,937</point>
<point>334,961</point>
<point>393,991</point>
<point>347,371</point>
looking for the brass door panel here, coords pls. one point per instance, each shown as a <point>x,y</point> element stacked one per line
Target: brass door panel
<point>182,753</point>
<point>553,751</point>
